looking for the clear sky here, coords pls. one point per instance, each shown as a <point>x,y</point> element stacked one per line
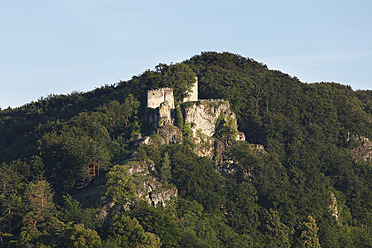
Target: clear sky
<point>60,46</point>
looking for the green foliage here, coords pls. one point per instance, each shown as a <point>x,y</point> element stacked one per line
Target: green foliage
<point>79,236</point>
<point>187,134</point>
<point>181,78</point>
<point>70,144</point>
<point>120,188</point>
<point>159,222</point>
<point>243,209</point>
<point>127,232</point>
<point>277,234</point>
<point>226,129</point>
<point>179,118</point>
<point>11,184</point>
<point>121,118</point>
<point>73,212</point>
<point>165,170</point>
<point>309,234</point>
<point>195,177</point>
<point>39,204</point>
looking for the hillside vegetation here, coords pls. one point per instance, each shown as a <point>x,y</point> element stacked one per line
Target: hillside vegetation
<point>64,179</point>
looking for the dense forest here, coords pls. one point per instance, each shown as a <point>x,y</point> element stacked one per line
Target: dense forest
<point>64,179</point>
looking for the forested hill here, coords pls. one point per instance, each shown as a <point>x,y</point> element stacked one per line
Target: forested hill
<point>63,156</point>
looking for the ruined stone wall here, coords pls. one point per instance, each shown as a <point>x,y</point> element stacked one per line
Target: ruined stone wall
<point>157,97</point>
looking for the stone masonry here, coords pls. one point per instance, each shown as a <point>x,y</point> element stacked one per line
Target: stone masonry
<point>157,97</point>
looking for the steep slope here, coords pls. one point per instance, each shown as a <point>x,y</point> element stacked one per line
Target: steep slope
<point>300,182</point>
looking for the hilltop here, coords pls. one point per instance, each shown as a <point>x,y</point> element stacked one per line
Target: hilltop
<point>272,162</point>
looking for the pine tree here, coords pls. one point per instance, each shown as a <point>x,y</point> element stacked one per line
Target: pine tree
<point>165,170</point>
<point>179,118</point>
<point>309,234</point>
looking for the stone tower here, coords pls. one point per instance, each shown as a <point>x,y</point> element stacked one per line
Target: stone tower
<point>162,101</point>
<point>193,93</point>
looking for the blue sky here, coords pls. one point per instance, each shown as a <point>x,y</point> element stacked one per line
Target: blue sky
<point>60,46</point>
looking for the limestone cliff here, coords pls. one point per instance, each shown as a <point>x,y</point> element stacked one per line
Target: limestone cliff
<point>162,116</point>
<point>202,115</point>
<point>361,147</point>
<point>333,208</point>
<point>148,187</point>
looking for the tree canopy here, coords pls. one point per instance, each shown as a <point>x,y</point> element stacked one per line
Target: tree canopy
<point>64,178</point>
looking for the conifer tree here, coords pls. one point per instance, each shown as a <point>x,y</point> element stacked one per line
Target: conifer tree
<point>309,234</point>
<point>165,170</point>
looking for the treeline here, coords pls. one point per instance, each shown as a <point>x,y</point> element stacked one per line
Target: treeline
<point>61,156</point>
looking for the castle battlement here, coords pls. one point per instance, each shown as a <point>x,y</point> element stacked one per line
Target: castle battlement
<point>158,96</point>
<point>162,100</point>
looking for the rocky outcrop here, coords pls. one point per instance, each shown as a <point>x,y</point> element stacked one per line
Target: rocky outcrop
<point>148,187</point>
<point>166,114</point>
<point>240,136</point>
<point>333,208</point>
<point>202,115</point>
<point>155,193</point>
<point>165,135</point>
<point>143,167</point>
<point>361,147</point>
<point>203,144</point>
<point>170,134</point>
<point>162,116</point>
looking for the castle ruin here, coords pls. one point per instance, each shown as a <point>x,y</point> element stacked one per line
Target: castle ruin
<point>162,101</point>
<point>158,96</point>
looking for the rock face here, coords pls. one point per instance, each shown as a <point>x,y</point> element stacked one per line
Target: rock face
<point>362,147</point>
<point>148,187</point>
<point>165,135</point>
<point>202,115</point>
<point>204,144</point>
<point>202,118</point>
<point>155,193</point>
<point>142,167</point>
<point>163,115</point>
<point>333,208</point>
<point>240,136</point>
<point>170,134</point>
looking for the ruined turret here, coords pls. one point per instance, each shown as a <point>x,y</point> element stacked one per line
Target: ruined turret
<point>158,96</point>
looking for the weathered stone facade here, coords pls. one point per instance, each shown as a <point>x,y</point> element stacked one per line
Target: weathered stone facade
<point>157,97</point>
<point>162,100</point>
